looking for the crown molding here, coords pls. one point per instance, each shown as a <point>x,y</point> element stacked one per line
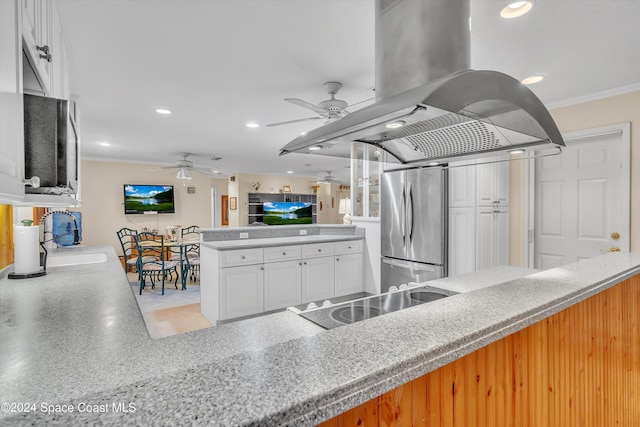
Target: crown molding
<point>620,90</point>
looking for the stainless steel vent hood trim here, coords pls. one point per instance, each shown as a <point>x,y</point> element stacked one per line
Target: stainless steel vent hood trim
<point>466,113</point>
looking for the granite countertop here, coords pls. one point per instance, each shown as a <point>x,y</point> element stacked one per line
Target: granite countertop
<point>278,241</point>
<point>77,337</point>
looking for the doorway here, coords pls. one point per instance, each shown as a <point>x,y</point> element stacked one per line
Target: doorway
<point>582,198</point>
<point>224,209</point>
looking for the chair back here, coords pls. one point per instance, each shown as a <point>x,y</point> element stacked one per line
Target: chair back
<point>127,241</point>
<point>149,245</point>
<point>192,229</point>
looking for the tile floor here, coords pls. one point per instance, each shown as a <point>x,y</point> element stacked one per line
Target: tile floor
<point>175,312</point>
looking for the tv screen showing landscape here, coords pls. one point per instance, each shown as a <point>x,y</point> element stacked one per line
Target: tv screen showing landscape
<point>140,199</point>
<point>281,213</point>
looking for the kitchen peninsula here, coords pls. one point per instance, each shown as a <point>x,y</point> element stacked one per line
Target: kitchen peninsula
<point>76,337</point>
<point>253,270</point>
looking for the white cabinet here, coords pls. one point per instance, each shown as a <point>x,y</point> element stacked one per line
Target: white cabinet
<point>282,284</point>
<point>348,274</point>
<point>37,20</point>
<point>11,128</point>
<point>318,278</point>
<point>243,282</point>
<point>241,291</point>
<point>60,71</point>
<point>348,268</point>
<point>492,242</point>
<point>478,215</point>
<point>366,166</point>
<point>492,183</point>
<point>462,240</point>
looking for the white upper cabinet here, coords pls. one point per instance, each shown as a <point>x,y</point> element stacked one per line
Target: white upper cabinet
<point>492,183</point>
<point>462,179</point>
<point>366,166</point>
<point>37,23</point>
<point>11,129</point>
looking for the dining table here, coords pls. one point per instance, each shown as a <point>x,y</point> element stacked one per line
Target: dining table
<point>181,245</point>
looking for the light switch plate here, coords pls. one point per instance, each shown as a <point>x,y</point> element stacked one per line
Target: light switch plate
<point>244,235</point>
<point>303,232</point>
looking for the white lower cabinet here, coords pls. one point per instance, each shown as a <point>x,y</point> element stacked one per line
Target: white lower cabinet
<point>318,278</point>
<point>241,291</point>
<point>348,274</point>
<point>492,241</point>
<point>282,284</point>
<point>256,280</point>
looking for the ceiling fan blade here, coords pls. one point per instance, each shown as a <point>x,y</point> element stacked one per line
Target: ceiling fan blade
<point>169,167</point>
<point>306,104</point>
<point>293,121</point>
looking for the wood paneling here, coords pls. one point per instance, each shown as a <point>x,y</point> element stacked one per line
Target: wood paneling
<point>579,367</point>
<point>6,236</point>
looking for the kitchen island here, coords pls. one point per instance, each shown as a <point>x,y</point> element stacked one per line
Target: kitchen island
<point>76,337</point>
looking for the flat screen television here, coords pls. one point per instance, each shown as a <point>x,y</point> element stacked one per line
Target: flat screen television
<point>281,213</point>
<point>140,199</point>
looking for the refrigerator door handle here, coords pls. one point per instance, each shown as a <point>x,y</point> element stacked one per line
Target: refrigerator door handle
<point>404,264</point>
<point>403,214</point>
<point>410,215</point>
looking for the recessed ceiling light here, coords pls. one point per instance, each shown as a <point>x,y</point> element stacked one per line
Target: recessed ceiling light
<point>104,144</point>
<point>515,9</point>
<point>252,125</point>
<point>315,147</point>
<point>532,79</point>
<point>289,171</point>
<point>163,111</point>
<point>216,172</point>
<point>395,125</point>
<point>433,163</point>
<point>516,151</point>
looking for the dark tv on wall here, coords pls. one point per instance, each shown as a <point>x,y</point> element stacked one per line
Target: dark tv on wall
<point>148,199</point>
<point>281,213</point>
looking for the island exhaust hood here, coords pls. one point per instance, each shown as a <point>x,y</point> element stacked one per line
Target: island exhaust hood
<point>430,107</point>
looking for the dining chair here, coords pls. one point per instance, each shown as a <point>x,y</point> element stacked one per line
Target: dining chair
<point>192,261</point>
<point>151,245</point>
<point>192,229</point>
<point>129,252</point>
<point>127,242</point>
<point>192,253</point>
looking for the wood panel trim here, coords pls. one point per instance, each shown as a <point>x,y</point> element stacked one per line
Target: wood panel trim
<point>6,235</point>
<point>580,366</point>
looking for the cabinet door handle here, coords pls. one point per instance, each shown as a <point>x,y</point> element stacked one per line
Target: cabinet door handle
<point>244,257</point>
<point>45,55</point>
<point>261,268</point>
<point>284,253</point>
<point>337,259</point>
<point>319,250</point>
<point>305,263</point>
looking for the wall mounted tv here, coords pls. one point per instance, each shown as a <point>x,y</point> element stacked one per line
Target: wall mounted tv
<point>141,199</point>
<point>281,213</point>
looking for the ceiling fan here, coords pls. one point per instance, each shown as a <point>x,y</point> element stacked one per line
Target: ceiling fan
<point>185,167</point>
<point>331,109</point>
<point>329,179</point>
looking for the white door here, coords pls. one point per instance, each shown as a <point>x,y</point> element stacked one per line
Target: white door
<point>582,197</point>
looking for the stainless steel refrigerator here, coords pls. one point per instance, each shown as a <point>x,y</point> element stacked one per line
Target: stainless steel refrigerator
<point>414,226</point>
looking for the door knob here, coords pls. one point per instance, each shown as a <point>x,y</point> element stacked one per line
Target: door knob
<point>615,235</point>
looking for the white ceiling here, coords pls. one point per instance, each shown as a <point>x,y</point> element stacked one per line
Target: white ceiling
<point>218,64</point>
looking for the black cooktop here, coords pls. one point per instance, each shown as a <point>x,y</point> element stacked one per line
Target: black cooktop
<point>358,310</point>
